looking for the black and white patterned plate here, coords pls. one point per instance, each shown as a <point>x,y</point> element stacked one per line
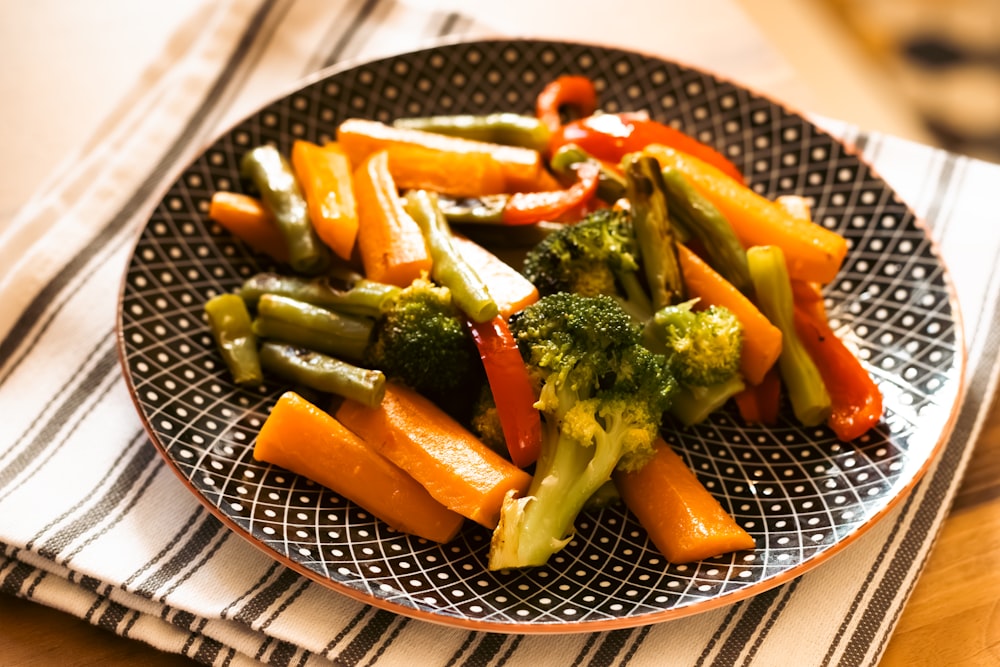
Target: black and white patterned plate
<point>802,494</point>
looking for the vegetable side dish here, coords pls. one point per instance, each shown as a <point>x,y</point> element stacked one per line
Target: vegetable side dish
<point>437,383</point>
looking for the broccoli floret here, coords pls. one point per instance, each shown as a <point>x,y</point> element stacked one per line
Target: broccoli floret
<point>485,421</point>
<point>703,350</point>
<point>602,398</point>
<point>421,340</point>
<point>597,255</point>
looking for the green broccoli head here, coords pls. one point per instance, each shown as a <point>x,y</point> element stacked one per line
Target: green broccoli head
<point>702,347</point>
<point>421,339</point>
<point>485,421</point>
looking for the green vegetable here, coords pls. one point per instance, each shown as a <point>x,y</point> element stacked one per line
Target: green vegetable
<point>360,297</point>
<point>610,185</point>
<point>271,173</point>
<point>653,232</point>
<point>313,327</point>
<point>323,373</point>
<point>700,219</point>
<point>602,399</point>
<point>450,269</point>
<point>803,382</point>
<point>500,128</point>
<point>693,405</point>
<point>485,422</point>
<point>229,321</point>
<point>486,210</point>
<point>597,255</point>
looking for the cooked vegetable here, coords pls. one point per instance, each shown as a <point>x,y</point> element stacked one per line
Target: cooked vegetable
<point>449,268</point>
<point>610,182</point>
<point>683,520</point>
<point>654,234</point>
<point>230,324</point>
<point>391,245</point>
<point>313,327</point>
<point>526,208</point>
<point>279,189</point>
<point>811,251</point>
<point>247,219</point>
<point>573,94</point>
<point>802,380</point>
<point>856,401</point>
<point>760,404</point>
<point>512,390</point>
<point>452,464</point>
<point>510,129</point>
<point>761,339</point>
<point>602,398</point>
<point>359,296</point>
<point>519,167</point>
<point>509,288</point>
<point>323,373</point>
<point>300,437</point>
<point>324,172</point>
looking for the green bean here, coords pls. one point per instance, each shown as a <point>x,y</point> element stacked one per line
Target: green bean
<point>282,195</point>
<point>229,321</point>
<point>500,128</point>
<point>485,210</point>
<point>311,326</point>
<point>703,221</point>
<point>323,373</point>
<point>610,185</point>
<point>653,231</point>
<point>449,268</point>
<point>362,297</point>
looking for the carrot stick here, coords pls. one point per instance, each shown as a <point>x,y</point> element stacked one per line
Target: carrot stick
<point>519,166</point>
<point>324,172</point>
<point>684,521</point>
<point>246,218</point>
<point>759,404</point>
<point>855,398</point>
<point>457,174</point>
<point>390,242</point>
<point>812,252</point>
<point>300,437</point>
<point>509,288</point>
<point>453,465</point>
<point>761,339</point>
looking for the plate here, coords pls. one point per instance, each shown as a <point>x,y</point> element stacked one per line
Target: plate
<point>802,494</point>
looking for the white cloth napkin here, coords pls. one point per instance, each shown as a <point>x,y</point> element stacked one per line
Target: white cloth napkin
<point>93,522</point>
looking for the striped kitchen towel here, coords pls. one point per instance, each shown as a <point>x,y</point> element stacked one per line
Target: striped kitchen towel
<point>93,521</point>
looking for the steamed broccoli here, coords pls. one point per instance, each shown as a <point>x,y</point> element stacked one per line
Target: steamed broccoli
<point>602,398</point>
<point>421,340</point>
<point>597,255</point>
<point>703,350</point>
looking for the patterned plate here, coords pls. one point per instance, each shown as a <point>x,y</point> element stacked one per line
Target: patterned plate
<point>801,493</point>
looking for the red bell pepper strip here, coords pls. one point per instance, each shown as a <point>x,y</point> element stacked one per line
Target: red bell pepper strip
<point>759,404</point>
<point>610,136</point>
<point>567,90</point>
<point>856,399</point>
<point>526,208</point>
<point>512,389</point>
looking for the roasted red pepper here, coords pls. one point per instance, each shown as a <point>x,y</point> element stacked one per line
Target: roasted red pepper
<point>512,389</point>
<point>610,136</point>
<point>525,208</point>
<point>577,92</point>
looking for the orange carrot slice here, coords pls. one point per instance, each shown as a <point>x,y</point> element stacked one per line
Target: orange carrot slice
<point>684,521</point>
<point>300,437</point>
<point>455,467</point>
<point>390,242</point>
<point>324,172</point>
<point>761,339</point>
<point>247,219</point>
<point>509,288</point>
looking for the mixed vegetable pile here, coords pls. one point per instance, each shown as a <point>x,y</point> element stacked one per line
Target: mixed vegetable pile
<point>437,383</point>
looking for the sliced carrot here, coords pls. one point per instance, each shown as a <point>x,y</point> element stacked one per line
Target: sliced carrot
<point>247,219</point>
<point>390,243</point>
<point>759,404</point>
<point>300,437</point>
<point>509,288</point>
<point>761,339</point>
<point>684,521</point>
<point>417,167</point>
<point>324,172</point>
<point>812,252</point>
<point>453,465</point>
<point>520,166</point>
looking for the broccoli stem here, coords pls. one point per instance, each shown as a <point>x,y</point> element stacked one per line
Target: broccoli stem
<point>323,373</point>
<point>449,268</point>
<point>702,220</point>
<point>806,391</point>
<point>693,405</point>
<point>362,297</point>
<point>310,326</point>
<point>653,232</point>
<point>231,328</point>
